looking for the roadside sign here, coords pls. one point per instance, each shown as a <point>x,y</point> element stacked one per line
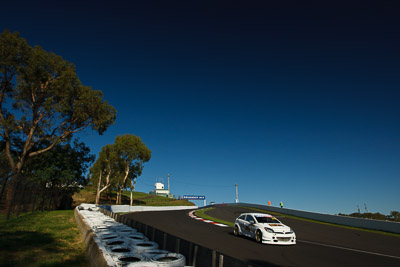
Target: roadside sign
<point>193,197</point>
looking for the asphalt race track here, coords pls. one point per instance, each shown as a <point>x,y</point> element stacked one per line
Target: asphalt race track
<point>317,244</point>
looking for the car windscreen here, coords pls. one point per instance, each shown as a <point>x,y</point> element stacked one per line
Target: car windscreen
<point>266,219</point>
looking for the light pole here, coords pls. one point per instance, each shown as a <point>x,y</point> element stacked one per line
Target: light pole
<point>237,194</point>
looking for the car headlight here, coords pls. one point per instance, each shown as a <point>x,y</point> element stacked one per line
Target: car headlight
<point>291,231</point>
<point>269,230</point>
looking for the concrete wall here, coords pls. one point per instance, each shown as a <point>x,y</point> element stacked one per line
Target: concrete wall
<point>386,226</point>
<point>127,208</point>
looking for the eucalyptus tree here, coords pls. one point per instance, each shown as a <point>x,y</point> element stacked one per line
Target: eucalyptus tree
<point>42,99</point>
<point>133,153</point>
<point>104,170</point>
<point>4,172</point>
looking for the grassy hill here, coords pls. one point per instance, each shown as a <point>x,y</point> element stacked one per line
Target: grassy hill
<point>139,199</point>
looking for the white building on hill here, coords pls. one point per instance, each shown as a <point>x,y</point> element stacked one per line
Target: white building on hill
<point>161,191</point>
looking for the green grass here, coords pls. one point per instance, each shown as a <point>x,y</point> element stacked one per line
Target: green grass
<point>201,213</point>
<point>42,239</point>
<point>139,199</point>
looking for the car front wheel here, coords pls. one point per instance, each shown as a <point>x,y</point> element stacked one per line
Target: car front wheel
<point>236,230</point>
<point>259,236</point>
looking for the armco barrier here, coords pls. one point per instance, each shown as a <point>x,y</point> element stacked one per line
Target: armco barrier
<point>127,208</point>
<point>386,226</point>
<point>196,255</point>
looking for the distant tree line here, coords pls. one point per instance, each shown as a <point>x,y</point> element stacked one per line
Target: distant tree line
<point>393,216</point>
<point>42,105</point>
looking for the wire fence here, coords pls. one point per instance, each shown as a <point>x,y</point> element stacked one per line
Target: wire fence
<point>28,196</point>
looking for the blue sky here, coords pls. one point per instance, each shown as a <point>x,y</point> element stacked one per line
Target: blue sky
<point>293,102</point>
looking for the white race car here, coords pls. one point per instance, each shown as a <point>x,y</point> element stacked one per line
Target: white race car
<point>264,228</point>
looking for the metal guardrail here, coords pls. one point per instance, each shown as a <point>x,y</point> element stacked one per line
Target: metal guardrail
<point>127,208</point>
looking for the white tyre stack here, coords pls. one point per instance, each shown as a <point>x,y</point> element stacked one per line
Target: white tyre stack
<point>139,247</point>
<point>150,253</point>
<point>124,245</point>
<point>169,260</point>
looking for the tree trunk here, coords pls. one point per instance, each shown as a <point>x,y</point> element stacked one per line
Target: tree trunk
<point>15,179</point>
<point>119,195</point>
<point>105,187</point>
<point>133,185</point>
<point>11,193</point>
<point>3,187</point>
<point>98,191</point>
<point>123,183</point>
<point>131,193</point>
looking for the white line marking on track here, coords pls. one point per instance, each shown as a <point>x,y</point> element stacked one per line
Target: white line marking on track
<point>350,249</point>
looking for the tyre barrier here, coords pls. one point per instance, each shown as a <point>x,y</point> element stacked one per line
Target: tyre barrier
<point>119,244</point>
<point>169,260</point>
<point>137,237</point>
<point>143,264</point>
<point>101,228</point>
<point>119,250</point>
<point>121,228</point>
<point>106,237</point>
<point>128,231</point>
<point>150,253</point>
<point>139,247</point>
<point>129,259</point>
